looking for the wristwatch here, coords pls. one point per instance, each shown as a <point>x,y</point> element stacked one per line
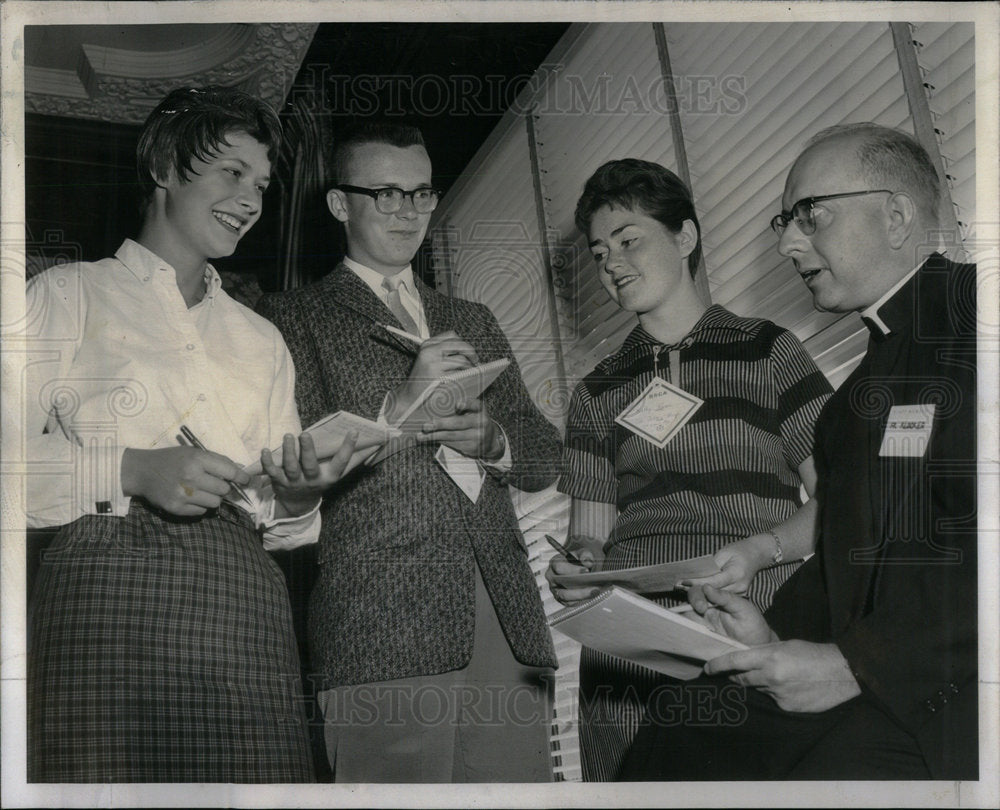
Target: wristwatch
<point>778,555</point>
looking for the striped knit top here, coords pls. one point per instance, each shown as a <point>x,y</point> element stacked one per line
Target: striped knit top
<point>730,472</point>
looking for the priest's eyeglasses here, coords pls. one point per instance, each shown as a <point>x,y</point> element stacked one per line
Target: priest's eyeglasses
<point>389,200</point>
<point>802,211</point>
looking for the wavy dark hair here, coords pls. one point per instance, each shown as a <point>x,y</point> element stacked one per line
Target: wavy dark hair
<point>640,185</point>
<point>192,122</point>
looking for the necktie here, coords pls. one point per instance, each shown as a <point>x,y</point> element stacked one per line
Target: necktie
<point>391,286</point>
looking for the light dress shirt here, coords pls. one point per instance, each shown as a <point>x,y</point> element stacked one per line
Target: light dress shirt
<point>411,302</point>
<point>117,360</point>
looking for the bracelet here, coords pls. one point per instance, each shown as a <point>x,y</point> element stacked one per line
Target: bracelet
<point>779,554</point>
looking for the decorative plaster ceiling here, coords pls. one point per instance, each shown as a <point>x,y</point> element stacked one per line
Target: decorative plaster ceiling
<point>119,73</point>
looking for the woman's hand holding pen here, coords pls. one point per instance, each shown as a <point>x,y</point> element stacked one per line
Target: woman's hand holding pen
<point>301,479</point>
<point>590,553</point>
<point>184,481</point>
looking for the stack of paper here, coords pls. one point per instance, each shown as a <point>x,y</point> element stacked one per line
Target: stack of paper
<point>621,623</point>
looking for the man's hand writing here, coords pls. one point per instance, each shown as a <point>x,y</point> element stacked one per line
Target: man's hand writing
<point>469,430</point>
<point>437,356</point>
<point>730,615</point>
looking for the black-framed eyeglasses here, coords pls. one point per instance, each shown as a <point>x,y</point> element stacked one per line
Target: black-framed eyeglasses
<point>802,211</point>
<point>389,200</point>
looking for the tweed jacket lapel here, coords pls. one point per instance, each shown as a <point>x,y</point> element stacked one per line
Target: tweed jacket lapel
<point>437,308</point>
<point>350,291</point>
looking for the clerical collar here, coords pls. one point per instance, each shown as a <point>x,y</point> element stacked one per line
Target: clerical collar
<point>870,314</point>
<point>373,278</point>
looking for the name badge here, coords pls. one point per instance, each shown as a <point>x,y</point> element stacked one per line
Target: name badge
<point>659,412</point>
<point>908,431</point>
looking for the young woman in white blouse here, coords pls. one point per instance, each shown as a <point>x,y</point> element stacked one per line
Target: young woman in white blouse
<point>161,644</point>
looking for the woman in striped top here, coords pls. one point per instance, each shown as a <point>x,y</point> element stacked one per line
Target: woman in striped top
<point>727,482</point>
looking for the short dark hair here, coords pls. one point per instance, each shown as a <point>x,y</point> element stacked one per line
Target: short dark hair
<point>192,122</point>
<point>393,133</point>
<point>893,159</point>
<point>634,184</point>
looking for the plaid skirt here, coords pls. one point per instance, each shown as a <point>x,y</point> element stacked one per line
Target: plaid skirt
<point>163,651</point>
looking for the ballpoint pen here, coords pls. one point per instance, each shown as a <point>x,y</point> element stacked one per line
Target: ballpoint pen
<point>569,555</point>
<point>196,442</point>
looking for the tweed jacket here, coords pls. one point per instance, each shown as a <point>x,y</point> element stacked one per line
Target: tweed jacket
<point>399,540</point>
<point>893,582</point>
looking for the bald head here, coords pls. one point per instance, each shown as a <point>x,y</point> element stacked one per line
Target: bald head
<point>859,210</point>
<point>881,157</point>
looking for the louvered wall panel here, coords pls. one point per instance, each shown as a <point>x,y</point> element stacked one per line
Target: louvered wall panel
<point>577,137</point>
<point>945,53</point>
<point>547,513</point>
<point>605,102</point>
<point>494,256</point>
<point>798,79</point>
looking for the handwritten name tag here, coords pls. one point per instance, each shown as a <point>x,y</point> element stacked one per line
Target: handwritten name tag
<point>659,412</point>
<point>907,431</point>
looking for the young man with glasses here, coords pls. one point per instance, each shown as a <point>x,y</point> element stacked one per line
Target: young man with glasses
<point>865,666</point>
<point>426,627</point>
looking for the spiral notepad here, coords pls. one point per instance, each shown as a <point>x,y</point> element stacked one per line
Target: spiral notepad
<point>621,623</point>
<point>439,398</point>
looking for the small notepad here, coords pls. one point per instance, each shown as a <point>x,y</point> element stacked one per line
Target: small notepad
<point>659,577</point>
<point>328,434</point>
<point>439,398</point>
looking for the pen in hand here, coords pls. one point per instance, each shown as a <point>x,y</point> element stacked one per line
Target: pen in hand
<point>569,555</point>
<point>196,442</point>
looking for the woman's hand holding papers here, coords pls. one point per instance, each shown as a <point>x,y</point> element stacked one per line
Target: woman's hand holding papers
<point>739,563</point>
<point>301,479</point>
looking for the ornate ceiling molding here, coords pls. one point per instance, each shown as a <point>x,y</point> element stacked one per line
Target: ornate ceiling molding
<point>99,61</point>
<point>123,86</point>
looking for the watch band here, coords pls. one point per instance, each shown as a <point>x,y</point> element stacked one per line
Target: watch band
<point>779,553</point>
